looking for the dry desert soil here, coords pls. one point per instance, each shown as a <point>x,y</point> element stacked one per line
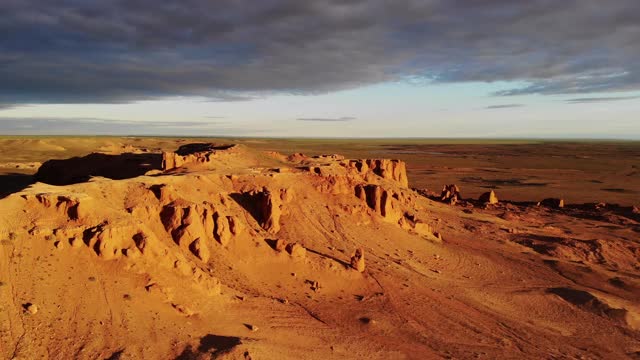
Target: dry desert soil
<point>174,248</point>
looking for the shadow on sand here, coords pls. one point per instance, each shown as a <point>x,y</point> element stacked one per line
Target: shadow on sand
<point>14,182</point>
<point>81,169</point>
<point>214,344</point>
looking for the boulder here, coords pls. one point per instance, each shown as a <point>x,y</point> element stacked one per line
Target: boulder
<point>488,198</point>
<point>296,250</point>
<point>280,245</point>
<point>554,203</point>
<point>357,260</point>
<point>30,308</point>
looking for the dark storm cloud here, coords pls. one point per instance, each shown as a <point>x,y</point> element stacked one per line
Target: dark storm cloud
<point>67,51</point>
<point>345,118</point>
<point>504,106</point>
<point>600,99</point>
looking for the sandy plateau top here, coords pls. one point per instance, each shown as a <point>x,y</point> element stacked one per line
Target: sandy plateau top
<point>220,250</point>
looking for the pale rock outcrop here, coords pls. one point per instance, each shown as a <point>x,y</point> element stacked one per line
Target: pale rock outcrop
<point>30,308</point>
<point>488,198</point>
<point>357,260</point>
<point>296,250</point>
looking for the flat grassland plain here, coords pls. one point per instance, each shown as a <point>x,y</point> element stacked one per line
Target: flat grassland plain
<point>518,170</point>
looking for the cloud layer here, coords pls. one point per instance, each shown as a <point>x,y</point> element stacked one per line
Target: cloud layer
<point>503,106</point>
<point>588,100</point>
<point>91,126</point>
<point>340,119</point>
<point>60,51</point>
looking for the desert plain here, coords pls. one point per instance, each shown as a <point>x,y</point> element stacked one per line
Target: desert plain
<point>238,248</point>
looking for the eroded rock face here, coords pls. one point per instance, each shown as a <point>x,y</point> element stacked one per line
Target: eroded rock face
<point>66,205</point>
<point>200,249</point>
<point>264,205</point>
<point>395,206</point>
<point>195,154</point>
<point>395,170</point>
<point>187,222</point>
<point>380,200</point>
<point>271,206</point>
<point>111,241</point>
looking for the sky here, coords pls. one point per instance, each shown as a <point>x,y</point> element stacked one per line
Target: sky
<point>334,68</point>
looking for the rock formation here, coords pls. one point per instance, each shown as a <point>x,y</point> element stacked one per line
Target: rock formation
<point>450,194</point>
<point>357,260</point>
<point>187,222</point>
<point>206,216</point>
<point>296,250</point>
<point>381,201</point>
<point>280,245</point>
<point>270,206</point>
<point>192,154</point>
<point>488,198</point>
<point>394,170</point>
<point>554,203</point>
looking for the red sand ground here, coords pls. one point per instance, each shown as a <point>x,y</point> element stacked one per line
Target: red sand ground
<point>238,253</point>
